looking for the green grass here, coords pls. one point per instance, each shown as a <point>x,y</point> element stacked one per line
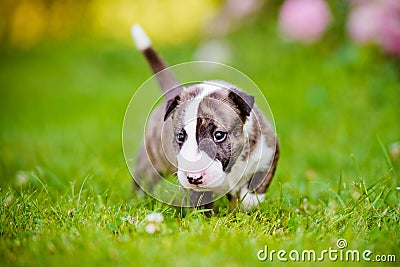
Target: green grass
<point>65,194</point>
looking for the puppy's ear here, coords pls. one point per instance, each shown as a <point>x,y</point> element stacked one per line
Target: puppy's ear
<point>243,102</point>
<point>171,105</point>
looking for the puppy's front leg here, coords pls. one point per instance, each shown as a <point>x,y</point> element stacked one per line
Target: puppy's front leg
<point>201,200</point>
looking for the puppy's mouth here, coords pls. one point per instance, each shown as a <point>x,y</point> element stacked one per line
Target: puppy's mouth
<point>199,181</point>
<point>195,181</point>
<point>198,170</point>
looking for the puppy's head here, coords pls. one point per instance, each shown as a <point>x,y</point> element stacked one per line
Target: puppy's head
<point>208,123</point>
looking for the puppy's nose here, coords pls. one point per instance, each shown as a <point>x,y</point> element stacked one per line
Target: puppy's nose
<point>195,179</point>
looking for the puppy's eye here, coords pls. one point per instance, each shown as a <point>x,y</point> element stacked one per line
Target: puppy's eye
<point>219,136</point>
<point>181,136</point>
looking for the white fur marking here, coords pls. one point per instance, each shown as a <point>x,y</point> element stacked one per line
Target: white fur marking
<point>190,149</point>
<point>140,38</point>
<point>250,200</point>
<point>190,158</point>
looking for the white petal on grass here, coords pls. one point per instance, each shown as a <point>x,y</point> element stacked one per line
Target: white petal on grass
<point>151,228</point>
<point>155,217</point>
<point>8,201</point>
<point>394,150</point>
<point>22,177</point>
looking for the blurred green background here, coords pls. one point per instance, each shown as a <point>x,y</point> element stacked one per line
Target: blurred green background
<point>68,70</point>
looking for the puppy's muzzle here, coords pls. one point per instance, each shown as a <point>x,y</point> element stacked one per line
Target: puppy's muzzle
<point>195,180</point>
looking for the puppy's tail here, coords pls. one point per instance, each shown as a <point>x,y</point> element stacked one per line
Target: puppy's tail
<point>165,77</point>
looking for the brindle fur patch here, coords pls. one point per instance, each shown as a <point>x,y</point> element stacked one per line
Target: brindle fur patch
<point>217,114</point>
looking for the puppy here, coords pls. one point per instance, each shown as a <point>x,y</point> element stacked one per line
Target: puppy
<point>210,135</point>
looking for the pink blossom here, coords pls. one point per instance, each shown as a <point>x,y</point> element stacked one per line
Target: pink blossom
<point>242,8</point>
<point>362,23</point>
<point>390,27</point>
<point>376,21</point>
<point>304,20</point>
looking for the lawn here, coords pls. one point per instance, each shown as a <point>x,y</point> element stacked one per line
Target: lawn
<point>65,187</point>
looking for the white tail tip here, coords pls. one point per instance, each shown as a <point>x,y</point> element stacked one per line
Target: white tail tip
<point>140,38</point>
